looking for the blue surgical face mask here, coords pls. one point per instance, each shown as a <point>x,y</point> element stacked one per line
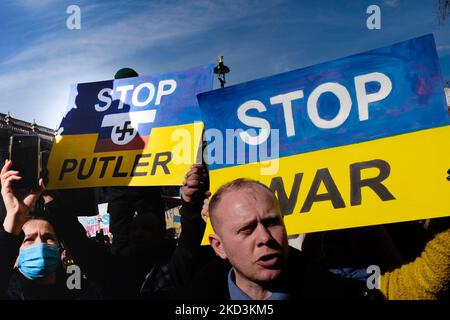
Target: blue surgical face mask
<point>38,260</point>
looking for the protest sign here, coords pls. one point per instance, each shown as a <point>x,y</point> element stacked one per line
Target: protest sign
<point>353,142</point>
<point>92,226</point>
<point>130,132</point>
<point>104,217</point>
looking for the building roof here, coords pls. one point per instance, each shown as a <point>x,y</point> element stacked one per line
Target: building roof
<point>16,126</point>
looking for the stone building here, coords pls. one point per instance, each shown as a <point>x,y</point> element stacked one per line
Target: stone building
<point>10,126</point>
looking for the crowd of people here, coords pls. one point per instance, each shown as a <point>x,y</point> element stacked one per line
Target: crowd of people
<point>249,256</point>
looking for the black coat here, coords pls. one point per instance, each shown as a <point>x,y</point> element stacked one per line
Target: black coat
<point>306,281</point>
<point>121,277</point>
<point>14,286</point>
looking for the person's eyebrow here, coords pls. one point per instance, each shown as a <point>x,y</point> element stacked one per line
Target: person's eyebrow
<point>30,235</point>
<point>271,218</point>
<point>49,235</point>
<point>272,214</point>
<point>247,224</point>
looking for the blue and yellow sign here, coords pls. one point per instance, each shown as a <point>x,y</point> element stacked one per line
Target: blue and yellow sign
<point>135,131</point>
<point>357,141</point>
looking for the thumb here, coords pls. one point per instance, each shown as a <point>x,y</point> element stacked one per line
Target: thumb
<point>41,185</point>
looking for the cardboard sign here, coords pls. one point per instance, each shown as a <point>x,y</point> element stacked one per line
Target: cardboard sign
<point>353,142</point>
<point>130,132</point>
<point>104,217</point>
<point>93,224</point>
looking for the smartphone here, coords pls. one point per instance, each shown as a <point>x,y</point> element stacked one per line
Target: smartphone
<point>45,155</point>
<point>24,152</point>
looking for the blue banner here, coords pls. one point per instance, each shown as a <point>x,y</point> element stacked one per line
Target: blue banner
<point>130,132</point>
<point>146,102</point>
<point>371,95</point>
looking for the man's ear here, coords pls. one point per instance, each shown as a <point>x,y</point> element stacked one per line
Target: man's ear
<point>216,244</point>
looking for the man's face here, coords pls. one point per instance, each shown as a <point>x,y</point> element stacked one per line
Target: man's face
<point>251,234</point>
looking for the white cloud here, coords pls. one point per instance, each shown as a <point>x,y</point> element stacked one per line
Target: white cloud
<point>392,3</point>
<point>34,4</point>
<point>443,48</point>
<point>37,79</point>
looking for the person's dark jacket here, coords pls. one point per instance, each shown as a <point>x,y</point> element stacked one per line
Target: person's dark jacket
<point>123,277</point>
<point>14,286</point>
<point>305,279</point>
<point>9,250</point>
<point>124,202</point>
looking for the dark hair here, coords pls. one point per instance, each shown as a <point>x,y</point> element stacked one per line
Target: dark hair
<point>48,220</point>
<point>237,184</point>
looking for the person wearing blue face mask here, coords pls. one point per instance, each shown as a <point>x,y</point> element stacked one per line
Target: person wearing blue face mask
<point>39,273</point>
<point>41,258</point>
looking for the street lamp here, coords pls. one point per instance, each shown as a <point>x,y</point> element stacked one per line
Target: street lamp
<point>221,70</point>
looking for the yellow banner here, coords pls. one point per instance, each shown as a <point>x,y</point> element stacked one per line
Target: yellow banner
<point>165,160</point>
<point>394,179</point>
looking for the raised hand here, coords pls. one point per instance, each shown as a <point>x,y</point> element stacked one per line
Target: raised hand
<point>195,184</point>
<point>18,203</point>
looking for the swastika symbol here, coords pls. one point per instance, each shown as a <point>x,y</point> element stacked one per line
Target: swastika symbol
<point>126,130</point>
<point>123,132</point>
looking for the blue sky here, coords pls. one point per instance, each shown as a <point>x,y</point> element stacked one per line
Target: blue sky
<point>40,58</point>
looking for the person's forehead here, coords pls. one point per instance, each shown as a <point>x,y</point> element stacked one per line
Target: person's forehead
<point>37,225</point>
<point>247,201</point>
<point>252,192</point>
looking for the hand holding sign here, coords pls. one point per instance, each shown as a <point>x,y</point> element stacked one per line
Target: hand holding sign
<point>205,208</point>
<point>195,184</point>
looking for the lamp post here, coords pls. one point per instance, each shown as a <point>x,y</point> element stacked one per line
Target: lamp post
<point>221,70</point>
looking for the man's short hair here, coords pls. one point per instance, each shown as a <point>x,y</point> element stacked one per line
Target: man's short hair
<point>237,184</point>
